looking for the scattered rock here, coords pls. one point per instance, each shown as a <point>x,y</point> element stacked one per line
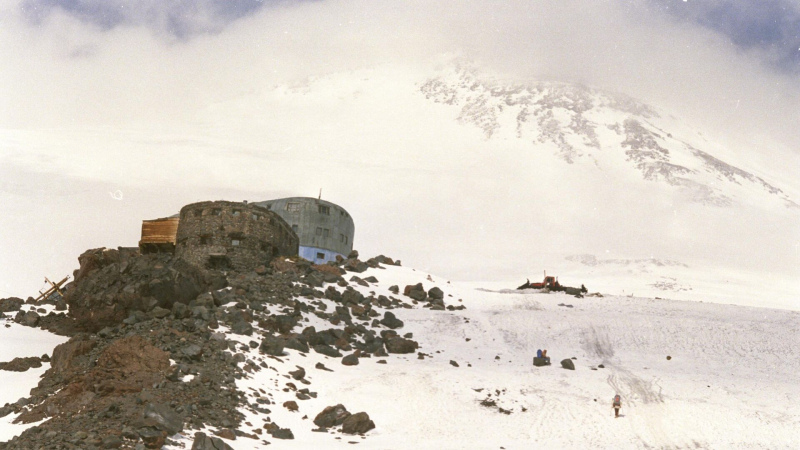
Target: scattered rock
<point>21,364</point>
<point>357,423</point>
<point>291,405</point>
<point>331,416</point>
<point>436,293</point>
<point>11,304</point>
<point>272,346</point>
<point>226,433</point>
<point>391,321</point>
<point>350,360</point>
<point>282,433</point>
<point>203,442</point>
<point>164,418</point>
<point>568,364</point>
<point>401,345</point>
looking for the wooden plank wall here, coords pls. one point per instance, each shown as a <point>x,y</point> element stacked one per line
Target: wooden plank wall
<point>160,231</point>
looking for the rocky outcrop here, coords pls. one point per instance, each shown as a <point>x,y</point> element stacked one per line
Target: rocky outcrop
<point>11,304</point>
<point>107,290</point>
<point>21,364</point>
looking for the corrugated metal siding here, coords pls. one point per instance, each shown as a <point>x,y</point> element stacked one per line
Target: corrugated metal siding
<point>160,231</point>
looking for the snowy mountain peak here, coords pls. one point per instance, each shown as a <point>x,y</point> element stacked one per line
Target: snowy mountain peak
<point>581,125</point>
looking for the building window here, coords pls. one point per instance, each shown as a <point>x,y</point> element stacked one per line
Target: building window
<point>293,207</point>
<point>346,239</point>
<point>236,212</point>
<point>198,212</point>
<point>235,242</point>
<point>326,232</point>
<point>295,228</point>
<point>216,212</point>
<point>325,210</point>
<point>320,255</point>
<point>319,231</point>
<point>256,216</point>
<point>205,240</point>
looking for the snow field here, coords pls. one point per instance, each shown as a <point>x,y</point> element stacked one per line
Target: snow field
<point>731,382</point>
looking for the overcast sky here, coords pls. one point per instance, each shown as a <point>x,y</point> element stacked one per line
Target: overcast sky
<point>104,103</point>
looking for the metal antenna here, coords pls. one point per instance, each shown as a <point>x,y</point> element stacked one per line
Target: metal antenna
<point>320,194</point>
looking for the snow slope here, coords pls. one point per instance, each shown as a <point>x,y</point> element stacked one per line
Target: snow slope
<point>17,341</point>
<point>732,380</point>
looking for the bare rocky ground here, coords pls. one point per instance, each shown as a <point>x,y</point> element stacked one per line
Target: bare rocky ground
<point>147,357</point>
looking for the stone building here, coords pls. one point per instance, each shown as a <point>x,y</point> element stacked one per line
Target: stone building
<point>324,228</point>
<point>233,235</point>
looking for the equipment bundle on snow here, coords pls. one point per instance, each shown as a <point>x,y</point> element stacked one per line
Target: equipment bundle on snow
<point>541,359</point>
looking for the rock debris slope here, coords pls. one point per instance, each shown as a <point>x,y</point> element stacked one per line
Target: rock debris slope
<point>383,356</point>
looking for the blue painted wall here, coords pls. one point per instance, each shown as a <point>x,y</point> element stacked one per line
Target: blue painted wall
<point>310,253</point>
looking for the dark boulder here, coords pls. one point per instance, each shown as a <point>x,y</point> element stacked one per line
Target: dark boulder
<point>21,364</point>
<point>568,364</point>
<point>282,433</point>
<point>242,328</point>
<point>331,416</point>
<point>358,423</point>
<point>436,293</point>
<point>11,304</point>
<point>400,345</point>
<point>272,346</point>
<point>297,344</point>
<point>350,360</point>
<point>203,442</point>
<point>164,418</point>
<point>29,318</point>
<point>327,350</point>
<point>354,265</point>
<point>416,292</point>
<point>391,321</point>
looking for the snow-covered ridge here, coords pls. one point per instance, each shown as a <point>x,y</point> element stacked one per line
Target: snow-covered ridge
<point>583,125</point>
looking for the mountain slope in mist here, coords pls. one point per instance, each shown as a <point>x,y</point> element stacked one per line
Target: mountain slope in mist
<point>524,174</point>
<point>590,126</point>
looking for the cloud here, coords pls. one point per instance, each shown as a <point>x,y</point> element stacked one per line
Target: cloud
<point>769,26</point>
<point>182,18</point>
